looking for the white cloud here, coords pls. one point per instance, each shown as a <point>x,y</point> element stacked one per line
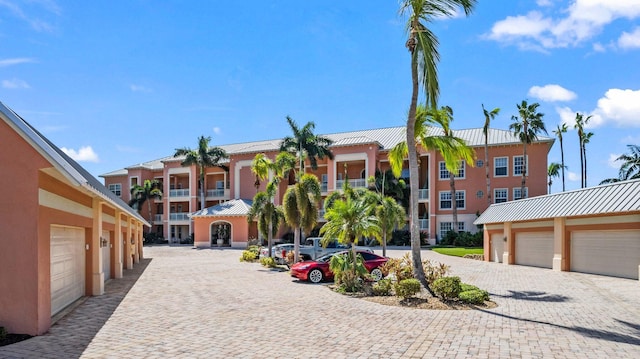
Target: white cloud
<point>216,130</point>
<point>630,40</point>
<point>543,3</point>
<point>552,93</point>
<point>572,176</point>
<point>84,154</point>
<point>580,22</point>
<point>620,107</point>
<point>138,88</point>
<point>36,24</point>
<point>15,84</point>
<point>15,61</point>
<point>567,116</point>
<point>612,161</point>
<point>598,47</point>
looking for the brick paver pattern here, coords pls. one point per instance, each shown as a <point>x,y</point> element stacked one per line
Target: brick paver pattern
<point>181,302</point>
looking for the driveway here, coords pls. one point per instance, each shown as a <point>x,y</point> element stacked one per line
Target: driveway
<point>183,302</point>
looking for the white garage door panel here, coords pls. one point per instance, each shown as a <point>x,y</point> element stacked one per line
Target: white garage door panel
<point>497,247</point>
<point>614,253</point>
<point>535,249</point>
<point>67,266</point>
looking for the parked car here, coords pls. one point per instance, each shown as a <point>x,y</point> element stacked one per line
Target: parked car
<point>278,252</point>
<point>318,270</point>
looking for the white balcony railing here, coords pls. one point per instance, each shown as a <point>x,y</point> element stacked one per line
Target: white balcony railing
<point>216,193</point>
<point>355,183</point>
<point>424,224</point>
<point>157,218</point>
<point>423,194</point>
<point>179,192</point>
<point>179,216</point>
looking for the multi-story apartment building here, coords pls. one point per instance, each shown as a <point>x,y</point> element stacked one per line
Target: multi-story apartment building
<point>357,155</point>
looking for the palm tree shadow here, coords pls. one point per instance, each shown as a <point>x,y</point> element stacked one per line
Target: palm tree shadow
<point>588,332</point>
<point>534,296</point>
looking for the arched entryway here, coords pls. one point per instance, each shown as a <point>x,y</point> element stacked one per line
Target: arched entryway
<point>220,234</point>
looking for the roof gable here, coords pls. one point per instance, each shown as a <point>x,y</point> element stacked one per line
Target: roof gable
<point>234,207</point>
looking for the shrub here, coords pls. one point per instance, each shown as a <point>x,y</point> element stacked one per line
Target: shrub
<point>407,288</point>
<point>268,262</point>
<point>464,287</point>
<point>400,237</point>
<point>3,333</point>
<point>290,256</point>
<point>248,256</point>
<point>346,275</point>
<point>475,296</point>
<point>434,270</point>
<point>447,288</point>
<point>382,287</point>
<point>400,268</point>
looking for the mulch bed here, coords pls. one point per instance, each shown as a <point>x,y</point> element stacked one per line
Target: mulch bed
<point>423,302</point>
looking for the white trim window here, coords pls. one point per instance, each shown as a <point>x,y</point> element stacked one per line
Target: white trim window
<point>517,194</point>
<point>460,199</point>
<point>500,166</point>
<point>444,172</point>
<point>445,227</point>
<point>116,188</point>
<point>518,165</point>
<point>445,200</point>
<point>500,195</point>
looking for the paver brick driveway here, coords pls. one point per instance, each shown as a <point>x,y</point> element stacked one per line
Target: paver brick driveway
<point>206,304</point>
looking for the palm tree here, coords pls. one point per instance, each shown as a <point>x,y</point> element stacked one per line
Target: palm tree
<point>630,168</point>
<point>149,190</point>
<point>390,215</point>
<point>305,144</point>
<point>583,139</point>
<point>202,157</point>
<point>526,128</point>
<point>488,116</point>
<point>300,204</point>
<point>423,49</point>
<point>558,132</point>
<point>349,220</point>
<point>553,171</point>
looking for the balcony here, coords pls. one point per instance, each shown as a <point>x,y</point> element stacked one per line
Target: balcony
<point>184,216</point>
<point>423,194</point>
<point>179,192</point>
<point>217,193</point>
<point>424,224</point>
<point>157,218</point>
<point>355,183</point>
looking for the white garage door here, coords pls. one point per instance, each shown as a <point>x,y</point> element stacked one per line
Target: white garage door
<point>67,266</point>
<point>497,247</point>
<point>535,249</point>
<point>614,253</point>
<point>106,256</point>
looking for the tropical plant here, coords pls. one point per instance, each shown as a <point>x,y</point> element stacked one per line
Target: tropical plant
<point>347,274</point>
<point>553,171</point>
<point>630,168</point>
<point>488,116</point>
<point>390,215</point>
<point>583,139</point>
<point>422,44</point>
<point>300,205</point>
<point>526,126</point>
<point>387,184</point>
<point>558,132</point>
<point>306,145</point>
<point>202,157</point>
<point>149,190</point>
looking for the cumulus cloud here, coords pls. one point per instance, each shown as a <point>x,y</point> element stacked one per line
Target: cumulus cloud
<point>552,93</point>
<point>138,88</point>
<point>544,2</point>
<point>618,107</point>
<point>580,22</point>
<point>84,154</point>
<point>630,40</point>
<point>612,161</point>
<point>15,61</point>
<point>15,84</point>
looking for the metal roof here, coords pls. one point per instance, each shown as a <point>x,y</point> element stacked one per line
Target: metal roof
<point>234,207</point>
<point>618,198</point>
<point>385,138</point>
<point>69,168</point>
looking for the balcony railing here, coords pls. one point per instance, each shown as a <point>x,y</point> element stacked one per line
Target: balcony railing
<point>157,218</point>
<point>423,194</point>
<point>424,224</point>
<point>216,193</point>
<point>179,216</point>
<point>355,183</point>
<point>179,192</point>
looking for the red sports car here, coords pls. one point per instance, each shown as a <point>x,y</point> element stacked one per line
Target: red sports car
<point>318,270</point>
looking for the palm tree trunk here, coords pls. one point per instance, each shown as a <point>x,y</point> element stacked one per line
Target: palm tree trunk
<point>418,271</point>
<point>562,159</point>
<point>581,164</point>
<point>384,243</point>
<point>454,204</point>
<point>486,164</point>
<point>296,244</point>
<point>202,188</point>
<point>584,151</point>
<point>269,236</point>
<point>524,169</point>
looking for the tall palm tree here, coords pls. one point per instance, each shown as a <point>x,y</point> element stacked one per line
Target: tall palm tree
<point>422,44</point>
<point>488,116</point>
<point>526,126</point>
<point>583,139</point>
<point>553,171</point>
<point>300,205</point>
<point>558,132</point>
<point>306,145</point>
<point>263,206</point>
<point>349,220</point>
<point>202,157</point>
<point>149,190</point>
<point>630,168</point>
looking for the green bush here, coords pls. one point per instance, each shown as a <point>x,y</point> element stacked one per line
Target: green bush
<point>475,296</point>
<point>462,239</point>
<point>400,237</point>
<point>464,287</point>
<point>400,268</point>
<point>447,288</point>
<point>248,256</point>
<point>434,270</point>
<point>382,287</point>
<point>268,262</point>
<point>3,333</point>
<point>407,288</point>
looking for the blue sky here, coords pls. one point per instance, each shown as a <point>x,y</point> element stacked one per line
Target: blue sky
<point>121,82</point>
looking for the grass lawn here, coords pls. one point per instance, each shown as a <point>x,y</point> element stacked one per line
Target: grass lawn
<point>457,251</point>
